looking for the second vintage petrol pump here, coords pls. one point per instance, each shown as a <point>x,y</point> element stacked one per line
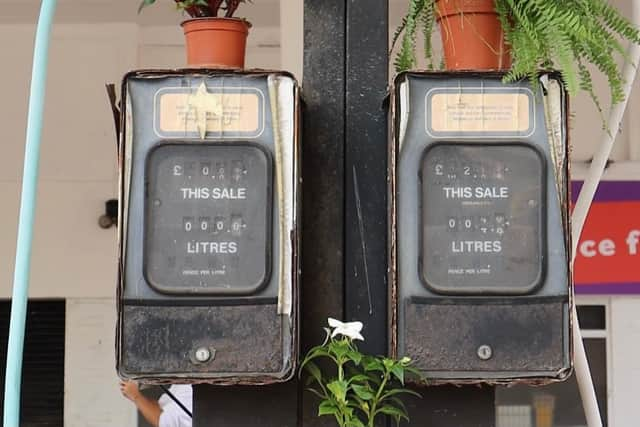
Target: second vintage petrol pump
<point>479,263</point>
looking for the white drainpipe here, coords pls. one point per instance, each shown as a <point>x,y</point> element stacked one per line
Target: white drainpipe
<point>596,169</point>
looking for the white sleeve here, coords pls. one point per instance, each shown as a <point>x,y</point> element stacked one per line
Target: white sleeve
<point>174,416</point>
<point>169,417</point>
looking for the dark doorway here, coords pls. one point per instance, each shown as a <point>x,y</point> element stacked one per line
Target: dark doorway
<point>42,398</point>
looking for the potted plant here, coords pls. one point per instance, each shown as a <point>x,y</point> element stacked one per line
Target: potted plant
<point>362,388</point>
<point>214,38</point>
<point>521,37</point>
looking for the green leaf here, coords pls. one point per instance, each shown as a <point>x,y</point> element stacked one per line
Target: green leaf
<point>397,391</point>
<point>413,370</point>
<point>315,353</point>
<point>363,392</point>
<point>393,411</point>
<point>339,390</point>
<point>399,403</point>
<point>313,369</point>
<point>372,364</point>
<point>358,378</point>
<point>339,348</point>
<point>318,351</point>
<point>327,408</point>
<point>398,371</point>
<point>388,364</point>
<point>144,4</point>
<point>354,356</point>
<point>316,392</point>
<point>406,57</point>
<point>355,422</point>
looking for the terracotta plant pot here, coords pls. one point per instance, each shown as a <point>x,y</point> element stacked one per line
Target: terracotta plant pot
<point>472,36</point>
<point>216,42</point>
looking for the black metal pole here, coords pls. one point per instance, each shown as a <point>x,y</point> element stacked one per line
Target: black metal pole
<point>344,259</point>
<point>323,178</point>
<point>366,55</point>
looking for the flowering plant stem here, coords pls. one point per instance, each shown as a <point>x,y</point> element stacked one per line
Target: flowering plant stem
<point>364,388</point>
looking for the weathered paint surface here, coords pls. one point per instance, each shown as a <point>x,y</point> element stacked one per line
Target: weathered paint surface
<point>161,340</point>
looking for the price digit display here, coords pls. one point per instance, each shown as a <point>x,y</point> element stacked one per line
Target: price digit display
<point>482,218</point>
<point>207,223</point>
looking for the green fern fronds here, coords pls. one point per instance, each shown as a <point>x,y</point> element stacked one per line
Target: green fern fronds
<point>562,34</point>
<point>567,34</point>
<point>406,58</point>
<point>427,19</point>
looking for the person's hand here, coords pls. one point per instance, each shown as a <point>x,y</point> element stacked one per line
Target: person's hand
<point>130,390</point>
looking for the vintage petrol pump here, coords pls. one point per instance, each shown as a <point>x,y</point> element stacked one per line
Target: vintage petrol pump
<point>480,273</point>
<point>209,175</point>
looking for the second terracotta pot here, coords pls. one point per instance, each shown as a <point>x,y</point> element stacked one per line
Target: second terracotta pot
<point>216,42</point>
<point>472,36</point>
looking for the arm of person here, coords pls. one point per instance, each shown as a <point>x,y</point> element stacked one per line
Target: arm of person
<point>149,408</point>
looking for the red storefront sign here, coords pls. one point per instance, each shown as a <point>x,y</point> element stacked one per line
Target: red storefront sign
<point>608,258</point>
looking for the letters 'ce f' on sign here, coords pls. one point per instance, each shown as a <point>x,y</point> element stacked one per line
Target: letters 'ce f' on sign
<point>479,228</point>
<point>208,288</point>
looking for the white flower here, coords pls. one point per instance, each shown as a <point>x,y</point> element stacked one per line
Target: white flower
<point>348,329</point>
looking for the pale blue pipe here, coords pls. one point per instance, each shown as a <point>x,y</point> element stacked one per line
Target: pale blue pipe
<point>27,210</point>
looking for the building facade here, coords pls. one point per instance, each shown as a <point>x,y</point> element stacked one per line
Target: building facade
<point>74,260</point>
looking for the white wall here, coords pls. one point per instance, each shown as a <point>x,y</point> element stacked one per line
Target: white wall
<point>163,47</point>
<point>92,397</point>
<point>625,353</point>
<point>623,349</point>
<point>75,259</point>
<point>72,257</point>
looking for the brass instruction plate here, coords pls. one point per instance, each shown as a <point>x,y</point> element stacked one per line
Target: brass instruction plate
<point>479,111</point>
<point>209,111</point>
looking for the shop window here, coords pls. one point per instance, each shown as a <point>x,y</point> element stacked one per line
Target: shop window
<point>559,405</point>
<point>42,391</point>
